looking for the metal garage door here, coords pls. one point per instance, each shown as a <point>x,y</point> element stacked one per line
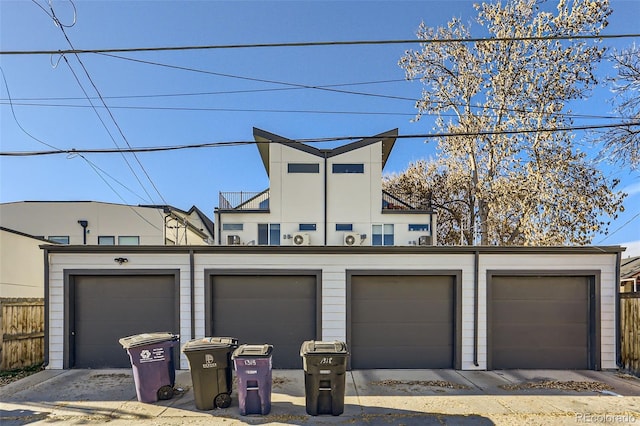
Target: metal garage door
<point>106,308</point>
<point>402,321</point>
<point>276,309</point>
<point>539,322</point>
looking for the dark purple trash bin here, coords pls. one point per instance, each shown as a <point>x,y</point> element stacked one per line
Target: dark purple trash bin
<point>253,369</point>
<point>151,356</point>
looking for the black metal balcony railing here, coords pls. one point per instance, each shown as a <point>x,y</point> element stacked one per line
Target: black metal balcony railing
<point>244,200</point>
<point>391,202</point>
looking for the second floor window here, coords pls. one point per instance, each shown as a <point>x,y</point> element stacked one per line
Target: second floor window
<point>232,226</point>
<point>128,240</point>
<point>303,168</point>
<point>105,240</point>
<point>382,235</point>
<point>307,227</point>
<point>347,168</point>
<point>59,239</point>
<point>269,234</point>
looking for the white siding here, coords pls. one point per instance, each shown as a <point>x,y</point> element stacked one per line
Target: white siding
<point>334,267</point>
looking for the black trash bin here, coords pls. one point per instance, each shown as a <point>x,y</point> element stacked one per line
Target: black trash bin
<point>325,365</point>
<point>210,364</point>
<point>253,369</point>
<point>151,356</point>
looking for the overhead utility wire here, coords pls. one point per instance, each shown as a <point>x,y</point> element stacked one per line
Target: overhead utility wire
<point>313,44</point>
<point>317,140</point>
<point>294,86</point>
<point>260,80</point>
<point>93,166</point>
<point>56,21</point>
<point>221,92</point>
<point>287,111</point>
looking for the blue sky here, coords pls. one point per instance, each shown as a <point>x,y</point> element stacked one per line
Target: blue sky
<point>220,99</point>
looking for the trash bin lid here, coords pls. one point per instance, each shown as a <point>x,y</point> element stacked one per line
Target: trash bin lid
<point>319,347</point>
<point>210,343</point>
<point>147,339</point>
<point>247,351</point>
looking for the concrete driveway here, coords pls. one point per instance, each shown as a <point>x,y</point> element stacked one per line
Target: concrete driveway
<point>373,397</point>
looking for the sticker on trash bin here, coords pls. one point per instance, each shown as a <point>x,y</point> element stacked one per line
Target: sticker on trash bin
<point>153,355</point>
<point>209,361</point>
<point>325,371</point>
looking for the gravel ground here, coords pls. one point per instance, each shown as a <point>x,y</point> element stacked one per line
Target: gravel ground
<point>11,376</point>
<point>554,384</point>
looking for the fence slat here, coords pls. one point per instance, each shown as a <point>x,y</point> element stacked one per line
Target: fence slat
<point>22,333</point>
<point>630,332</point>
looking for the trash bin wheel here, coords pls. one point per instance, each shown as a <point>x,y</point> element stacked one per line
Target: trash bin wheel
<point>223,400</point>
<point>165,392</point>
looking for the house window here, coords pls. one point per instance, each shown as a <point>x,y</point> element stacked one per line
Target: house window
<point>128,241</point>
<point>382,235</point>
<point>303,168</point>
<point>307,227</point>
<point>232,226</point>
<point>344,227</point>
<point>269,234</point>
<point>106,240</point>
<point>59,239</point>
<point>422,227</point>
<point>348,168</point>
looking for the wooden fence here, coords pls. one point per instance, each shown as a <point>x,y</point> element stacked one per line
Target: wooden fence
<point>630,332</point>
<point>22,334</point>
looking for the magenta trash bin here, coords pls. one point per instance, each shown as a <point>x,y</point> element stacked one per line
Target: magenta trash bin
<point>252,364</point>
<point>151,356</point>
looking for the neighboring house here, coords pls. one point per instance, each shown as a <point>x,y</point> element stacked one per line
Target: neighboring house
<point>323,197</point>
<point>21,265</point>
<point>630,274</point>
<point>98,223</point>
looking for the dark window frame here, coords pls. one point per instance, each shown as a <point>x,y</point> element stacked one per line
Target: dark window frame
<point>347,168</point>
<point>303,168</point>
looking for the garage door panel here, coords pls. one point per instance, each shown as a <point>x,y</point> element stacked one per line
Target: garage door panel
<point>529,288</point>
<point>107,308</point>
<point>400,357</point>
<point>402,321</point>
<point>539,322</point>
<point>407,311</point>
<point>543,357</point>
<point>541,311</point>
<point>560,335</point>
<point>276,309</point>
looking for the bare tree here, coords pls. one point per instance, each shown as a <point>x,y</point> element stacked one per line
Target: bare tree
<point>515,177</point>
<point>622,144</point>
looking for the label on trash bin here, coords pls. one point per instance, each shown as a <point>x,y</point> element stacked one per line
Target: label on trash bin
<point>209,361</point>
<point>325,371</point>
<point>153,355</point>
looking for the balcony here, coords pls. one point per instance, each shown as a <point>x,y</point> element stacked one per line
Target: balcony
<point>244,201</point>
<point>391,203</point>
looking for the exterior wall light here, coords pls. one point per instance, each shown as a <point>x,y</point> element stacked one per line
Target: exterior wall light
<point>120,260</point>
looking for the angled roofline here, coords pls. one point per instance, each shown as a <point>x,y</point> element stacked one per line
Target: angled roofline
<point>23,234</point>
<point>205,219</point>
<point>263,138</point>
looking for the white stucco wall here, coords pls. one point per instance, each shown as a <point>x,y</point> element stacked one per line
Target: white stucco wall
<point>334,268</point>
<point>21,266</point>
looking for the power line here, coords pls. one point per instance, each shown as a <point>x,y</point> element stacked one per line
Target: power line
<point>163,108</point>
<point>315,140</point>
<point>260,80</point>
<point>315,44</point>
<point>222,92</point>
<point>93,166</point>
<point>64,33</point>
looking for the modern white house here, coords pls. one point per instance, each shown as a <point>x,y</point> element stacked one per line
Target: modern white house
<point>323,197</point>
<point>99,223</point>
